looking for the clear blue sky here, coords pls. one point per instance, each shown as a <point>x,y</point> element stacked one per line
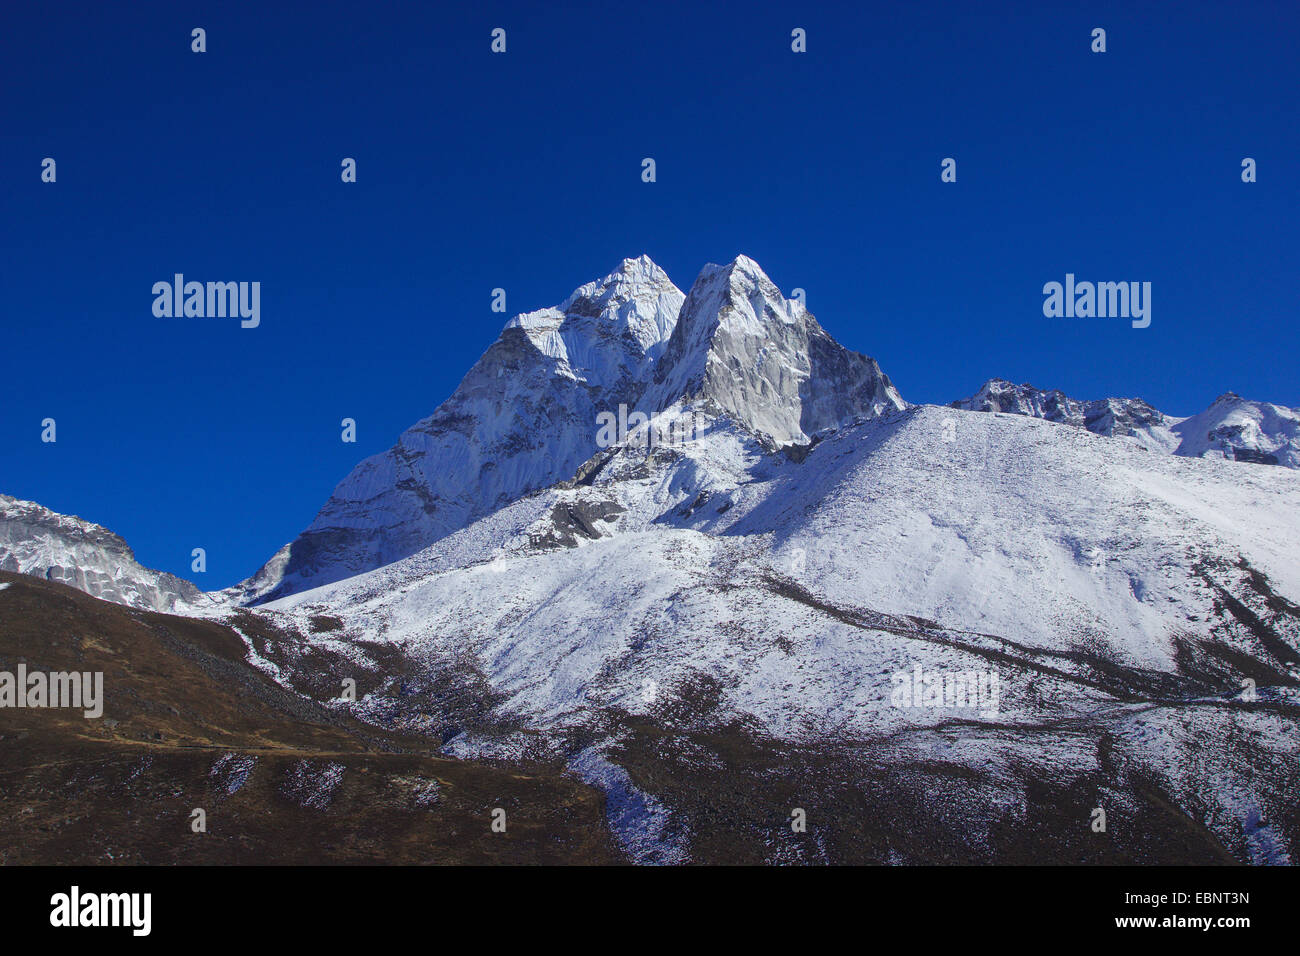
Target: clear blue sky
<point>522,171</point>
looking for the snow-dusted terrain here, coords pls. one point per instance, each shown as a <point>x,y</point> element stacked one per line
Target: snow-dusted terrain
<point>722,608</point>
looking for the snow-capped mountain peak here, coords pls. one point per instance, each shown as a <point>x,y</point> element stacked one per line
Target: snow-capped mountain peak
<point>527,415</point>
<point>523,418</point>
<point>509,583</point>
<point>1238,429</point>
<point>610,328</point>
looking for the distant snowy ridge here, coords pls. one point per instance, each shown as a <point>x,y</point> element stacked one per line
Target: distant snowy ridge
<point>1232,427</point>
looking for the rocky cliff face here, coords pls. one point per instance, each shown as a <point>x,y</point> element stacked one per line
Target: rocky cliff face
<point>745,351</point>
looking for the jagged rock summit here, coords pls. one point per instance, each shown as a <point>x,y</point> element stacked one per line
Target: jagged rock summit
<point>749,353</point>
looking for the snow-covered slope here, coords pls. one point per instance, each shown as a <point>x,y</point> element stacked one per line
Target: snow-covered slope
<point>1136,596</point>
<point>1017,531</point>
<point>35,540</point>
<point>1233,427</point>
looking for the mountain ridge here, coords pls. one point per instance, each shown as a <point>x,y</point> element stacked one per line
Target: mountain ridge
<point>1231,427</point>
